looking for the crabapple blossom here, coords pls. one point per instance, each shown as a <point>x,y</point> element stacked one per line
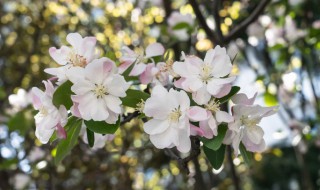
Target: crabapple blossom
<point>159,74</point>
<point>215,117</point>
<point>205,78</point>
<point>130,57</point>
<point>170,112</point>
<point>98,91</point>
<point>49,118</point>
<point>80,54</point>
<point>177,18</point>
<point>245,126</point>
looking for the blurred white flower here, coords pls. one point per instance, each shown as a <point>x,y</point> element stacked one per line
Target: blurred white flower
<point>177,18</point>
<point>20,100</point>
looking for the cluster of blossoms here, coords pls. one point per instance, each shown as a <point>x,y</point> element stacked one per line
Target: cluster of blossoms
<point>185,99</point>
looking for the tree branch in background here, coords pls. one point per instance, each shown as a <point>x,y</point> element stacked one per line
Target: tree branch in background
<point>237,30</point>
<point>217,20</point>
<point>202,21</point>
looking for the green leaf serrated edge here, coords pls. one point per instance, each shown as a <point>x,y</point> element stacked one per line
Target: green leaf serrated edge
<point>102,127</point>
<point>62,96</point>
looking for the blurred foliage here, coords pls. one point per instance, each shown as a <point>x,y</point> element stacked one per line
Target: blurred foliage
<point>28,28</point>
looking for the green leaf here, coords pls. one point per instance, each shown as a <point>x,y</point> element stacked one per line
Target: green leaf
<point>102,127</point>
<point>216,158</point>
<point>216,142</point>
<point>181,25</point>
<point>126,73</point>
<point>90,137</point>
<point>134,97</point>
<point>70,123</point>
<point>65,146</point>
<point>21,122</point>
<point>2,93</point>
<point>62,96</point>
<point>246,155</point>
<point>234,90</point>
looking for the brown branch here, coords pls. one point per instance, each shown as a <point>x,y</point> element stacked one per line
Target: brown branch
<point>237,30</point>
<point>235,178</point>
<point>202,21</point>
<point>217,21</point>
<point>183,162</point>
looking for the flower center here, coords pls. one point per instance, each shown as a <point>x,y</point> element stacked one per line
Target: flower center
<point>100,90</point>
<point>77,60</point>
<point>206,73</point>
<point>249,122</point>
<point>43,111</point>
<point>213,106</point>
<point>175,115</point>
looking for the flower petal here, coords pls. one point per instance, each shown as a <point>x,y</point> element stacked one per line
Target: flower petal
<point>223,116</point>
<point>154,49</point>
<point>155,126</point>
<point>60,55</point>
<point>196,113</point>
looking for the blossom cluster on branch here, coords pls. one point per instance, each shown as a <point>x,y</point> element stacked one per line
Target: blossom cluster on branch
<point>88,95</point>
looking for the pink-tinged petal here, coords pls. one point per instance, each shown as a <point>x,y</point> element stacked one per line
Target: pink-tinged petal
<point>196,131</point>
<point>220,61</point>
<point>88,48</point>
<point>49,88</point>
<point>60,55</point>
<point>195,62</point>
<point>61,133</point>
<point>147,76</point>
<point>236,143</point>
<point>36,100</point>
<point>215,86</point>
<point>224,91</point>
<point>113,103</point>
<point>254,147</point>
<point>154,49</point>
<point>243,99</point>
<point>201,96</point>
<point>194,84</point>
<point>196,113</point>
<point>75,39</point>
<point>254,134</point>
<point>207,131</point>
<point>60,72</point>
<point>184,145</point>
<point>124,66</point>
<point>154,126</point>
<point>228,138</point>
<point>138,69</point>
<point>223,116</point>
<point>178,83</point>
<point>95,70</point>
<point>75,110</point>
<point>108,65</point>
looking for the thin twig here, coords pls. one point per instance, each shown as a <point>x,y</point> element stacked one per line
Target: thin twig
<point>217,20</point>
<point>237,30</point>
<point>202,21</point>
